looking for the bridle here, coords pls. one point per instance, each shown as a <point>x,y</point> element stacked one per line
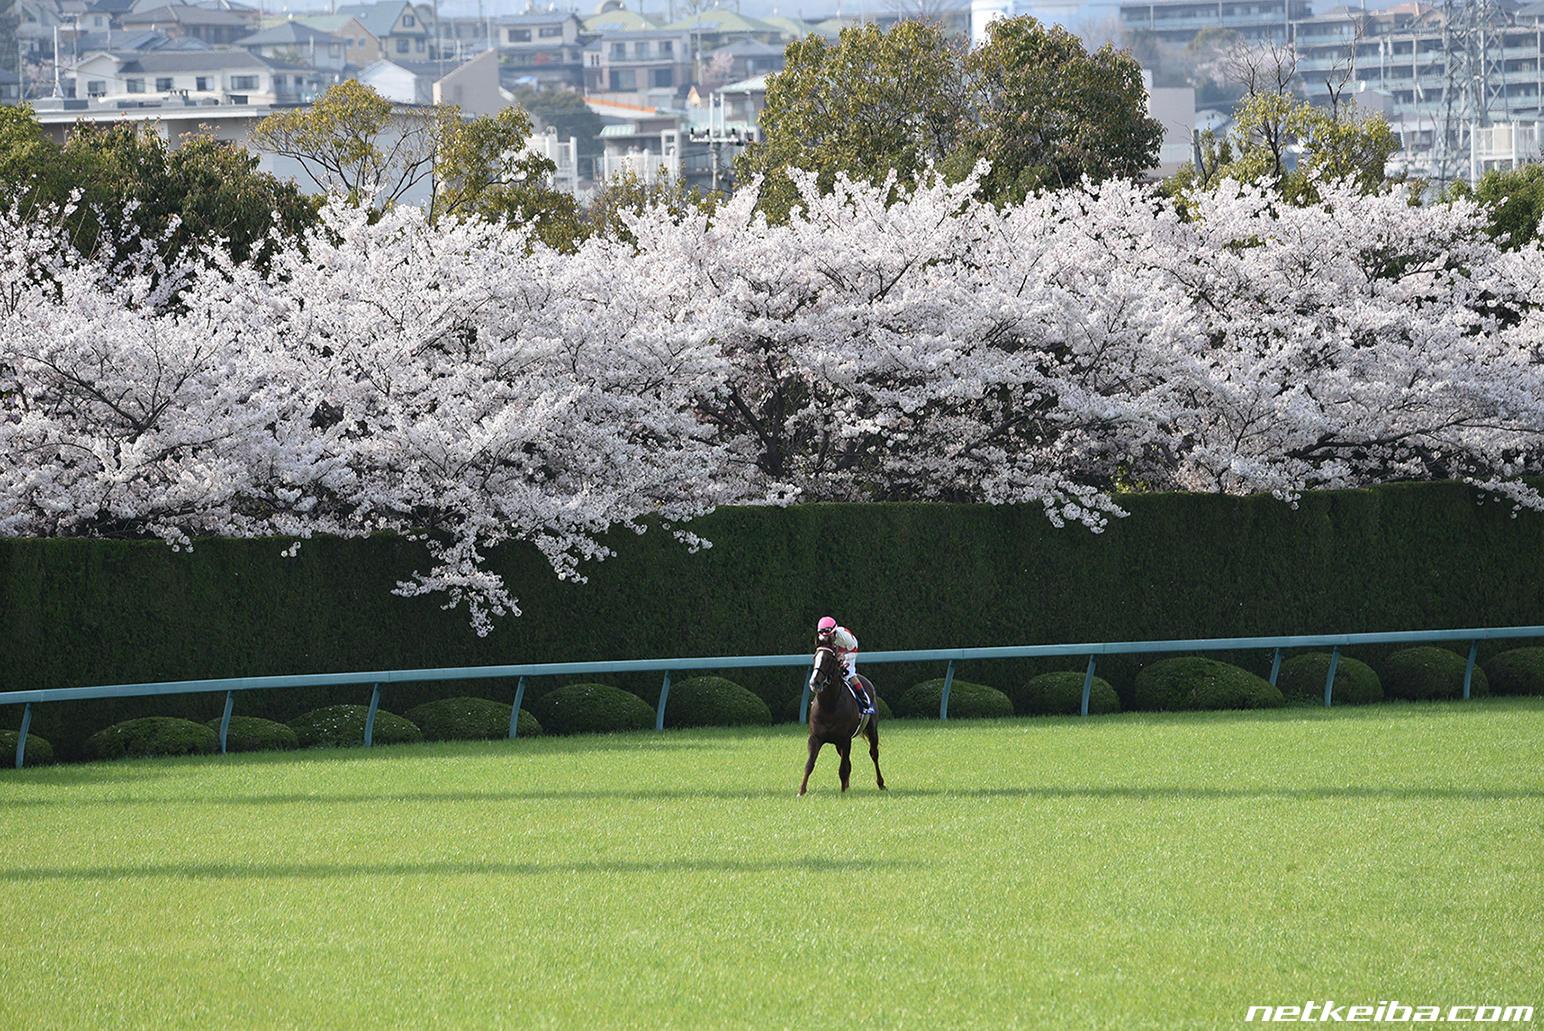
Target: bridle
<point>825,658</point>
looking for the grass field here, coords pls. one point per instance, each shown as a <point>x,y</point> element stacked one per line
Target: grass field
<point>1126,871</point>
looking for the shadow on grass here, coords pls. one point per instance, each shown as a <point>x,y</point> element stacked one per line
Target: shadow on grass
<point>440,868</point>
<point>1141,793</point>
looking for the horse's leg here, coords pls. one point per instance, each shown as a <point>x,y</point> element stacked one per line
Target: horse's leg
<point>809,766</point>
<point>872,733</point>
<point>844,749</point>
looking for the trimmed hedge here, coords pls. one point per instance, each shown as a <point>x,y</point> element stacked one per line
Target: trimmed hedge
<point>1428,673</point>
<point>1060,694</point>
<point>152,735</point>
<point>1302,680</point>
<point>469,719</point>
<point>592,709</point>
<point>967,701</point>
<point>39,751</point>
<point>714,702</point>
<point>1197,683</point>
<point>81,612</point>
<point>255,734</point>
<point>1519,671</point>
<point>343,726</point>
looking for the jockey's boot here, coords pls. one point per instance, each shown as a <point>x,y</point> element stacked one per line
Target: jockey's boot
<point>865,703</point>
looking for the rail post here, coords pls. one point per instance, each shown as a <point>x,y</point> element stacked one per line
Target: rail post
<point>1088,685</point>
<point>225,719</point>
<point>21,735</point>
<point>514,713</point>
<point>664,696</point>
<point>1474,651</point>
<point>1275,666</point>
<point>804,703</point>
<point>943,699</point>
<point>375,703</point>
<point>1329,679</point>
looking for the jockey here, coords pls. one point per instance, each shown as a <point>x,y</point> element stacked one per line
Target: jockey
<point>842,641</point>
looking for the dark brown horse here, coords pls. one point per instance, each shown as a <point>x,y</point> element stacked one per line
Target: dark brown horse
<point>835,718</point>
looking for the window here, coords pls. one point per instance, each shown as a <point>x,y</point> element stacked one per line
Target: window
<point>407,21</point>
<point>519,35</point>
<point>243,82</point>
<point>164,84</point>
<point>622,82</point>
<point>618,51</point>
<point>96,88</point>
<point>134,85</point>
<point>666,47</point>
<point>550,31</point>
<point>418,45</point>
<point>402,46</point>
<point>662,77</point>
<point>202,84</point>
<point>642,49</point>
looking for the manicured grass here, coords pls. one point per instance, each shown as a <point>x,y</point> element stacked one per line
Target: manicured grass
<point>1123,871</point>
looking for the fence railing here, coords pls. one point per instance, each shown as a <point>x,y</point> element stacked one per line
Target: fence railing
<point>521,672</point>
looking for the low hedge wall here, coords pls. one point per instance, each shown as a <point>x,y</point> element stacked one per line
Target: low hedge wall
<point>591,709</point>
<point>1519,671</point>
<point>714,702</point>
<point>255,734</point>
<point>1191,682</point>
<point>1061,693</point>
<point>343,726</point>
<point>39,751</point>
<point>1428,673</point>
<point>152,736</point>
<point>469,719</point>
<point>967,701</point>
<point>1302,680</point>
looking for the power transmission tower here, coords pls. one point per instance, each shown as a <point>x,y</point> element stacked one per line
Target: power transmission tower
<point>1474,84</point>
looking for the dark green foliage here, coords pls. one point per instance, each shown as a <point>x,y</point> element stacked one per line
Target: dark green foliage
<point>1056,694</point>
<point>152,735</point>
<point>255,734</point>
<point>1197,683</point>
<point>1513,198</point>
<point>966,701</point>
<point>469,719</point>
<point>1519,671</point>
<point>714,702</point>
<point>79,612</point>
<point>342,726</point>
<point>1427,672</point>
<point>1302,680</point>
<point>592,709</point>
<point>39,751</point>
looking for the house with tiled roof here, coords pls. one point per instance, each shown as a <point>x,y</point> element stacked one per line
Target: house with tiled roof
<point>293,42</point>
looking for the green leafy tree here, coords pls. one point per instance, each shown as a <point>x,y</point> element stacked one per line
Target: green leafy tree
<point>127,176</point>
<point>1032,101</point>
<point>1051,113</point>
<point>565,111</point>
<point>1513,199</point>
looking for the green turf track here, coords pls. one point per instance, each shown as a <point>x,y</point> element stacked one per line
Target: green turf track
<point>1130,871</point>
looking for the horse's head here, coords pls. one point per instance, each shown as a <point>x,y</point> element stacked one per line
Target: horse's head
<point>823,673</point>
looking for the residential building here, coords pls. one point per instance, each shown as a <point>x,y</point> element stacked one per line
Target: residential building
<point>405,31</point>
<point>227,76</point>
<point>1180,21</point>
<point>293,42</point>
<point>746,59</point>
<point>542,48</point>
<point>646,67</point>
<point>215,27</point>
<point>473,85</point>
<point>361,47</point>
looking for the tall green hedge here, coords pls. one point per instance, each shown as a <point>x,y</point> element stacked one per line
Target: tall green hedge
<point>904,576</point>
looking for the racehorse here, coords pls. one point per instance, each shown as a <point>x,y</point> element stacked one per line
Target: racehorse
<point>835,718</point>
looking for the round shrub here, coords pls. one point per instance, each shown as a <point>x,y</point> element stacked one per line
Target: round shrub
<point>714,702</point>
<point>967,701</point>
<point>1421,674</point>
<point>255,734</point>
<point>469,719</point>
<point>1519,671</point>
<point>1302,680</point>
<point>1061,694</point>
<point>1197,683</point>
<point>152,735</point>
<point>39,751</point>
<point>343,726</point>
<point>790,713</point>
<point>592,709</point>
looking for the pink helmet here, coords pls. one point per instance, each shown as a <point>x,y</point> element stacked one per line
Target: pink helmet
<point>826,625</point>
